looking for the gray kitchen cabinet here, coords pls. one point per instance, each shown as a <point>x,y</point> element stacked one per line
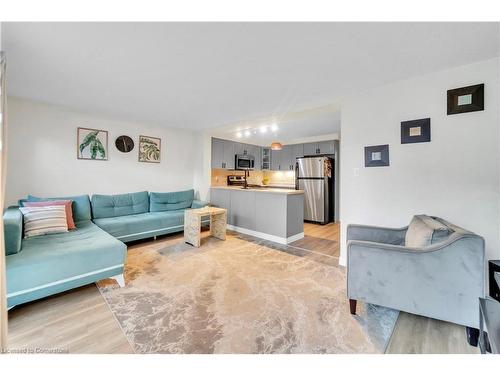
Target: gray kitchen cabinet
<point>310,148</point>
<point>256,152</point>
<point>229,154</point>
<point>287,161</point>
<point>275,160</point>
<point>319,148</point>
<point>222,154</point>
<point>282,160</point>
<point>297,152</point>
<point>275,216</point>
<point>326,147</point>
<point>266,158</point>
<point>217,153</point>
<point>238,148</point>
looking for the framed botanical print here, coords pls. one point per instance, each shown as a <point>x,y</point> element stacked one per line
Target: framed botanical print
<point>149,149</point>
<point>92,144</point>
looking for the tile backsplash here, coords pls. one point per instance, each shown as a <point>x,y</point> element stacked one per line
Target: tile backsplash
<point>279,178</point>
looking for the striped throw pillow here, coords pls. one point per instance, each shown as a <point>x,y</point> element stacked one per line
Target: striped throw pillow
<point>44,220</point>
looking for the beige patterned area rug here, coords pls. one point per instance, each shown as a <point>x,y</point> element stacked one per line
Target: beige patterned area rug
<point>242,295</point>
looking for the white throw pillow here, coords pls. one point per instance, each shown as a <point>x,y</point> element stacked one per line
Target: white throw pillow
<point>44,220</point>
<point>424,231</point>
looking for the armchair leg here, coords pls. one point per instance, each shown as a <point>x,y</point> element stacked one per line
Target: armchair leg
<point>352,306</point>
<point>472,335</point>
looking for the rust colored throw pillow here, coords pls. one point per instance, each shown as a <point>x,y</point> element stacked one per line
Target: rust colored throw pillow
<point>66,204</point>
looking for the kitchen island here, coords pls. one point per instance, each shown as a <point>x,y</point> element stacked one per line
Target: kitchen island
<point>269,213</point>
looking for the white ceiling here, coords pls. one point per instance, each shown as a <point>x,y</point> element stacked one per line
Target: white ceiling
<point>205,75</point>
<point>309,125</point>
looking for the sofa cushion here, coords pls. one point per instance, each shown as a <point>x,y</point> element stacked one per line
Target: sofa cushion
<point>39,221</point>
<point>80,205</point>
<point>177,200</point>
<point>67,206</point>
<point>55,257</point>
<point>424,231</point>
<point>130,227</point>
<point>104,206</point>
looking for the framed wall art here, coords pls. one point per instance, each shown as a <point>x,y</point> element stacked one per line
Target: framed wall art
<point>149,149</point>
<point>466,99</point>
<point>92,144</point>
<point>377,156</point>
<point>416,131</point>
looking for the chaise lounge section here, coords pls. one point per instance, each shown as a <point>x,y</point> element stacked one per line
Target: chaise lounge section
<point>41,266</point>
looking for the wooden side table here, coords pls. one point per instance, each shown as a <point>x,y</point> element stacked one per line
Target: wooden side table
<point>192,224</point>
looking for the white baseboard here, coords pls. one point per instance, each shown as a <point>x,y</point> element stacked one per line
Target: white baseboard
<point>266,236</point>
<point>342,261</point>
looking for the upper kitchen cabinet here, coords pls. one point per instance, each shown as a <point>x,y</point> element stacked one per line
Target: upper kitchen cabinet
<point>326,147</point>
<point>266,158</point>
<point>319,148</point>
<point>297,152</point>
<point>222,154</point>
<point>283,160</point>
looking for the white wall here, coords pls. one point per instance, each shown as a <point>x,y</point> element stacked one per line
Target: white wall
<point>42,155</point>
<point>455,176</point>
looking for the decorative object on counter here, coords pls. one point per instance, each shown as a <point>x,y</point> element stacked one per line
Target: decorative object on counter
<point>124,143</point>
<point>149,149</point>
<point>192,224</point>
<point>276,146</point>
<point>466,99</point>
<point>416,131</point>
<point>92,144</point>
<point>377,156</point>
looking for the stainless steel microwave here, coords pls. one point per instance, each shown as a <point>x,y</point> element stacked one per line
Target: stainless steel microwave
<point>244,162</point>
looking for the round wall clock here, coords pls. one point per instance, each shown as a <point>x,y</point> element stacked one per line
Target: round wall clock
<point>124,143</point>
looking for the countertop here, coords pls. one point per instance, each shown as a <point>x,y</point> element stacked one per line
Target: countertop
<point>261,189</point>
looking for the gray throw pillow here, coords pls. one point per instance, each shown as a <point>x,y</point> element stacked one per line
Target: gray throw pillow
<point>423,231</point>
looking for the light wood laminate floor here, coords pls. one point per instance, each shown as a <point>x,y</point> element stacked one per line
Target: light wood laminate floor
<point>79,321</point>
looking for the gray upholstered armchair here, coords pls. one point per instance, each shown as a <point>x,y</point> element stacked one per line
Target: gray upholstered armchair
<point>442,279</point>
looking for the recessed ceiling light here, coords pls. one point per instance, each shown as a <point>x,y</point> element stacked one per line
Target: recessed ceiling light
<point>274,127</point>
<point>247,133</point>
<point>263,129</point>
<point>239,135</point>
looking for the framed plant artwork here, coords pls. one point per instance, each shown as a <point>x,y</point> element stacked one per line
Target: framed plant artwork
<point>91,144</point>
<point>149,149</point>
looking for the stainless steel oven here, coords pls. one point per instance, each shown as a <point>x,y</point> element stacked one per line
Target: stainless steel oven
<point>244,162</point>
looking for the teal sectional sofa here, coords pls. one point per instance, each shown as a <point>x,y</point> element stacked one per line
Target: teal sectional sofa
<point>41,266</point>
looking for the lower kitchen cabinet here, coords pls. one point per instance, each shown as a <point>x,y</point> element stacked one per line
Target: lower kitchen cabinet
<point>278,217</point>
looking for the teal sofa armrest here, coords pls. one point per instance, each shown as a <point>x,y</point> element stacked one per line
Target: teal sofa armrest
<point>13,228</point>
<point>199,204</point>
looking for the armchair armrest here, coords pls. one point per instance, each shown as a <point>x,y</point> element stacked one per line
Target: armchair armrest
<point>13,228</point>
<point>394,236</point>
<point>199,204</point>
<point>441,281</point>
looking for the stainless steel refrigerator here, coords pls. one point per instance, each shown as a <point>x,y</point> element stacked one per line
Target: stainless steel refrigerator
<point>315,175</point>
